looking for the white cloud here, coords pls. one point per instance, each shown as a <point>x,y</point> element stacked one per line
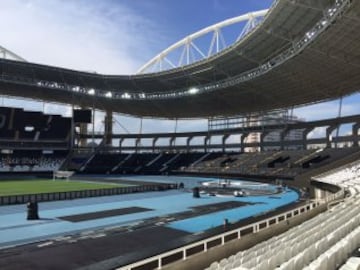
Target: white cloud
<point>328,110</point>
<point>319,132</point>
<point>155,125</point>
<point>101,36</point>
<point>52,108</point>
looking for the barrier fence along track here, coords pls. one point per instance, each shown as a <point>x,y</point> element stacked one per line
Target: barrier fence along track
<point>70,195</point>
<point>182,253</point>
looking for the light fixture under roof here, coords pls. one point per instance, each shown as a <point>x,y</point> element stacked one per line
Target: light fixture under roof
<point>126,96</point>
<point>193,90</point>
<point>91,92</point>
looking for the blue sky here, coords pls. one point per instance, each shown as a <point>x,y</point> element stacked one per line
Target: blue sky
<point>180,18</point>
<point>117,37</point>
<point>108,36</point>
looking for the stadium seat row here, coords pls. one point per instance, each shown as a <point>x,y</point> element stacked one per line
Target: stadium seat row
<point>323,242</point>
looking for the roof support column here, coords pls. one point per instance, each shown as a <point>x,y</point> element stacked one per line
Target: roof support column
<point>224,138</point>
<point>283,135</point>
<point>188,140</point>
<point>108,132</point>
<point>72,133</point>
<point>172,143</point>
<point>154,143</point>
<point>82,142</point>
<point>242,141</point>
<point>329,130</point>
<point>83,130</point>
<point>137,144</point>
<point>120,144</point>
<point>306,131</point>
<point>355,132</point>
<point>206,142</point>
<point>262,138</point>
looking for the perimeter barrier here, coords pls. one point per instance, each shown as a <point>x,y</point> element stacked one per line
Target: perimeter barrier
<point>71,195</point>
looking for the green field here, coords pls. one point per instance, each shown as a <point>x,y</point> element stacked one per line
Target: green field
<point>18,187</point>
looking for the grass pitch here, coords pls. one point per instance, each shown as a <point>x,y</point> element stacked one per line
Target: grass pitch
<point>18,187</point>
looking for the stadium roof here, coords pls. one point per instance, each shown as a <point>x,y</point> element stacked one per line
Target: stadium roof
<point>303,52</point>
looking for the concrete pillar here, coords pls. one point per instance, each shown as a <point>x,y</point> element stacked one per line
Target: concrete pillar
<point>355,132</point>
<point>137,144</point>
<point>206,142</point>
<point>304,135</point>
<point>154,143</point>
<point>83,130</point>
<point>242,141</point>
<point>120,144</point>
<point>172,142</point>
<point>329,130</point>
<point>224,138</point>
<point>262,138</point>
<point>108,122</point>
<point>188,140</point>
<point>283,135</point>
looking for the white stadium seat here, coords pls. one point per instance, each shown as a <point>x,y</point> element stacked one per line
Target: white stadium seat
<point>323,242</point>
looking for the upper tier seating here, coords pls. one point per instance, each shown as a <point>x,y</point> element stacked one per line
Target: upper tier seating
<point>140,163</point>
<point>271,163</point>
<point>26,126</point>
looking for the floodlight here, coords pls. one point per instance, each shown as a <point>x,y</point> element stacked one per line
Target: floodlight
<point>76,88</point>
<point>126,96</point>
<point>193,90</point>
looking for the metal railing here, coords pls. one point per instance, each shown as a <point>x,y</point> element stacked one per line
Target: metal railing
<point>182,253</point>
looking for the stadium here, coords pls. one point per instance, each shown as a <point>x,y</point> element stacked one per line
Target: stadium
<point>255,190</point>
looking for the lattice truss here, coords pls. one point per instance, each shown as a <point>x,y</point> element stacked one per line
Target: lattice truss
<point>204,43</point>
<point>7,54</point>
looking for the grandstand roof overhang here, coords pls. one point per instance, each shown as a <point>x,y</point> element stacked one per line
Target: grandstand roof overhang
<point>303,52</point>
